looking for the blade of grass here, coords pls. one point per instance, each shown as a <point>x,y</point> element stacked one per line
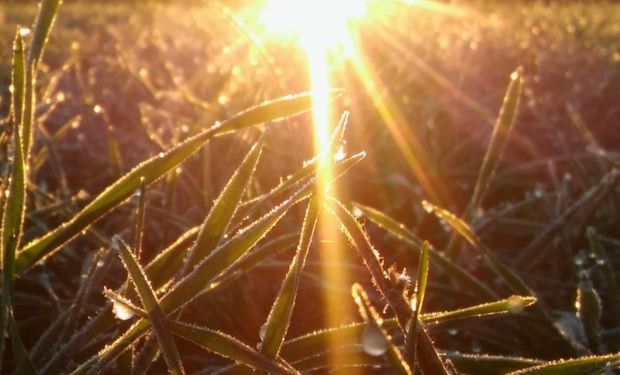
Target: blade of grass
<point>513,280</point>
<point>15,202</point>
<point>23,364</point>
<point>578,366</point>
<point>149,300</point>
<point>195,283</point>
<point>489,365</point>
<point>224,207</point>
<point>417,303</point>
<point>45,19</point>
<point>503,125</point>
<point>138,227</point>
<point>151,170</point>
<point>512,304</point>
<point>375,322</point>
<point>429,360</point>
<point>452,269</point>
<point>279,317</point>
<point>611,284</point>
<point>212,340</point>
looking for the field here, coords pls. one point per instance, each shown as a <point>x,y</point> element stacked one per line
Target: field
<point>187,189</point>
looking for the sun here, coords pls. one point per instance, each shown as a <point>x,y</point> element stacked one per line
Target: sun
<point>316,22</point>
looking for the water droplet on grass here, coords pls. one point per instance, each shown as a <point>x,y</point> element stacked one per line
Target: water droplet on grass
<point>516,304</point>
<point>262,332</point>
<point>357,212</point>
<point>414,302</point>
<point>122,312</point>
<point>24,31</point>
<point>373,342</point>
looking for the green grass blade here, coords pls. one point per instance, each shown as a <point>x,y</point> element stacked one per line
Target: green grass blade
<point>389,224</point>
<point>23,364</point>
<point>513,280</point>
<point>138,227</point>
<point>195,283</point>
<point>192,285</point>
<point>319,341</point>
<point>370,344</point>
<point>15,202</point>
<point>589,311</point>
<point>223,210</point>
<point>215,341</point>
<point>227,346</point>
<point>151,170</point>
<point>605,266</point>
<point>371,257</point>
<point>452,269</point>
<point>279,318</point>
<point>513,304</point>
<point>578,366</point>
<point>417,304</point>
<point>47,14</point>
<point>149,300</point>
<point>502,128</point>
<point>489,365</point>
<point>19,78</point>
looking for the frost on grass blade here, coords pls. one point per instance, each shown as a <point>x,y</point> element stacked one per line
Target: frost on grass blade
<point>149,300</point>
<point>151,170</point>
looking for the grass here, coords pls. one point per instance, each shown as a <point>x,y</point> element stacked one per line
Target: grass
<point>163,211</point>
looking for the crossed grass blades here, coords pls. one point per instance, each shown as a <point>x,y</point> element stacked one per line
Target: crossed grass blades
<point>228,244</point>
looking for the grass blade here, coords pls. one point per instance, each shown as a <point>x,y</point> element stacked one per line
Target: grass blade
<point>429,360</point>
<point>512,304</point>
<point>371,344</point>
<point>195,283</point>
<point>215,341</point>
<point>513,280</point>
<point>223,210</point>
<point>138,227</point>
<point>151,170</point>
<point>603,261</point>
<point>489,365</point>
<point>578,366</point>
<point>452,269</point>
<point>15,202</point>
<point>279,318</point>
<point>502,128</point>
<point>23,364</point>
<point>149,300</point>
<point>417,303</point>
<point>47,14</point>
<point>227,346</point>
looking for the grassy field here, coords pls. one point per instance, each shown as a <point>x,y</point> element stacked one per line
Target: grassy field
<point>166,213</point>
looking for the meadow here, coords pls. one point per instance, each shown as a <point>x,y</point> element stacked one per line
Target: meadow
<point>187,190</point>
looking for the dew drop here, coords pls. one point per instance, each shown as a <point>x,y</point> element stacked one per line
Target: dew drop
<point>453,331</point>
<point>373,342</point>
<point>414,302</point>
<point>161,155</point>
<point>515,304</point>
<point>122,312</point>
<point>24,31</point>
<point>97,108</point>
<point>475,347</point>
<point>357,212</point>
<point>341,153</point>
<point>600,262</point>
<point>578,260</point>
